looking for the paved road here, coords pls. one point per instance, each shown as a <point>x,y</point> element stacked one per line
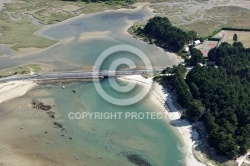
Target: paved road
<point>78,75</point>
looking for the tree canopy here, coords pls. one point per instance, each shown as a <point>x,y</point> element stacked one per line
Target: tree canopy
<point>165,34</point>
<point>196,57</point>
<point>235,38</point>
<point>219,97</point>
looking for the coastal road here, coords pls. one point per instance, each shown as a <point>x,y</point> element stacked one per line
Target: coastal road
<point>78,75</point>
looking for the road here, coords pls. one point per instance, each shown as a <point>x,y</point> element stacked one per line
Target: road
<point>77,75</point>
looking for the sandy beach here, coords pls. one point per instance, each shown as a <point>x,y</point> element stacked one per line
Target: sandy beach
<point>15,89</point>
<point>159,95</point>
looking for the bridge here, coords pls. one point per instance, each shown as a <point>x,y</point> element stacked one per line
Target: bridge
<point>78,75</point>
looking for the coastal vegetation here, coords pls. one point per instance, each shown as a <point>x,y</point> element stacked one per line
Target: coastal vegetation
<point>160,31</point>
<point>20,70</point>
<point>20,19</point>
<point>20,33</point>
<point>109,1</point>
<point>218,96</point>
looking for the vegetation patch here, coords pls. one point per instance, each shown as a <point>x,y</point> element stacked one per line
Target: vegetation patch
<point>20,33</point>
<point>18,29</point>
<point>204,28</point>
<point>160,31</point>
<point>21,70</point>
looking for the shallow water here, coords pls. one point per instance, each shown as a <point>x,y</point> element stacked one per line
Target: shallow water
<point>95,141</point>
<point>78,53</point>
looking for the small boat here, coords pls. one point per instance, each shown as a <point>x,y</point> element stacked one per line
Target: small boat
<point>74,91</point>
<point>63,87</point>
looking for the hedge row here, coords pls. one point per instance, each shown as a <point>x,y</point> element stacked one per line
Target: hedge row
<point>236,29</point>
<point>214,39</point>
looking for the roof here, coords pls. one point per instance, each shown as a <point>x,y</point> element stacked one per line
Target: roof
<point>197,42</point>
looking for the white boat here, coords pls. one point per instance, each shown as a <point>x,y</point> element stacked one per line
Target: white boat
<point>63,87</point>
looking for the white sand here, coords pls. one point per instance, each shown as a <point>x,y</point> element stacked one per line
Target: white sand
<point>96,34</point>
<point>14,89</point>
<point>242,159</point>
<point>159,95</point>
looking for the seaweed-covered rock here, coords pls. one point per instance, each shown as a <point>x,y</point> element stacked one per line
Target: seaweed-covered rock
<point>58,125</point>
<point>136,159</point>
<point>51,114</point>
<point>39,105</point>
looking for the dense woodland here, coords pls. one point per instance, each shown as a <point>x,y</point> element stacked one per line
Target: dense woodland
<point>219,96</point>
<point>160,31</point>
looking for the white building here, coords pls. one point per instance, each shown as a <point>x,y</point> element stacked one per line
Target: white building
<point>197,42</point>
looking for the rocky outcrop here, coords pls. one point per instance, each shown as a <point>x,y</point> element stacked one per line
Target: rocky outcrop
<point>40,105</point>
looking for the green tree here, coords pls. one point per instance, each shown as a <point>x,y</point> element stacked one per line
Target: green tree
<point>195,110</point>
<point>194,90</point>
<point>196,57</point>
<point>235,38</point>
<point>192,35</point>
<point>162,32</point>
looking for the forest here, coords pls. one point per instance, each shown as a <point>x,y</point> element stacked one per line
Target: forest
<point>160,31</point>
<point>219,96</point>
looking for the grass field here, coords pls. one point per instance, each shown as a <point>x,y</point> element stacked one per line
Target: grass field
<point>21,70</point>
<point>243,37</point>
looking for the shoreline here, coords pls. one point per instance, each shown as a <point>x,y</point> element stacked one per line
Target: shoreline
<point>85,35</point>
<point>159,95</point>
<point>125,10</point>
<point>14,89</point>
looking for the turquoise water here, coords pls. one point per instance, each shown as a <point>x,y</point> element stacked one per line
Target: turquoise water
<point>107,139</point>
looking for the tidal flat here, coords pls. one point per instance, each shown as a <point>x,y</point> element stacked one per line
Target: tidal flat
<point>30,136</point>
